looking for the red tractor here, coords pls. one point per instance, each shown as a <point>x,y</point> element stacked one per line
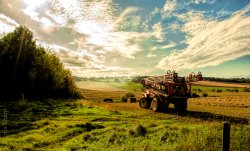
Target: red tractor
<point>166,89</point>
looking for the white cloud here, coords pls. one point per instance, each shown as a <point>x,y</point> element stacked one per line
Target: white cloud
<point>7,24</point>
<point>124,43</point>
<point>174,27</point>
<point>170,45</point>
<point>169,7</point>
<point>85,63</point>
<point>204,1</point>
<point>199,1</point>
<point>121,19</point>
<point>8,20</point>
<point>158,32</point>
<point>211,42</point>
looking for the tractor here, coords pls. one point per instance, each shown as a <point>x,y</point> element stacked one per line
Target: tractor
<point>166,89</point>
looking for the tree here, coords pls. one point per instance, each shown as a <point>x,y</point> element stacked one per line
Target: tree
<point>28,70</point>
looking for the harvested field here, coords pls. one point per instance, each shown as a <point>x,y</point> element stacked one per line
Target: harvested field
<point>231,104</point>
<point>222,84</point>
<point>98,86</point>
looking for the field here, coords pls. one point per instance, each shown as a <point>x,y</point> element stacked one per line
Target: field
<point>92,124</point>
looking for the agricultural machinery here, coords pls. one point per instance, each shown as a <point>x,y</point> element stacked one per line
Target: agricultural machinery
<point>166,89</point>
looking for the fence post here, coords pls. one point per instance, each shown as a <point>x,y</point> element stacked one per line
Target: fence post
<point>226,136</point>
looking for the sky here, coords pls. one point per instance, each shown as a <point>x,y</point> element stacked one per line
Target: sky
<point>98,38</point>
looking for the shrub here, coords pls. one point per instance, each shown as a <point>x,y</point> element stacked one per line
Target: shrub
<point>124,99</point>
<point>205,94</point>
<point>195,95</point>
<point>219,90</point>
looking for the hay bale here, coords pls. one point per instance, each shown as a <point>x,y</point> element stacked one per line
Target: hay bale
<point>132,100</point>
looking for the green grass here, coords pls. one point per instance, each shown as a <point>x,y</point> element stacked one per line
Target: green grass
<point>75,126</point>
<point>210,88</point>
<point>132,86</point>
<point>129,86</point>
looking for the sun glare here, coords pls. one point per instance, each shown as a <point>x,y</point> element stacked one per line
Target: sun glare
<point>34,3</point>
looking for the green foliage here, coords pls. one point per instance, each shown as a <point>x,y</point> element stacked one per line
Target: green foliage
<point>214,89</point>
<point>28,71</point>
<point>130,86</point>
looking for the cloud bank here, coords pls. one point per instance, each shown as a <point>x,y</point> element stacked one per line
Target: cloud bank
<point>117,38</point>
<point>211,42</point>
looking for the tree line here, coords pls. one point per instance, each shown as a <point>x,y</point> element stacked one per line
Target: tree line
<point>29,71</point>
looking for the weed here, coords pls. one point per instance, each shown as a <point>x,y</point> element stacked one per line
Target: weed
<point>112,138</point>
<point>165,136</point>
<point>140,130</point>
<point>132,132</point>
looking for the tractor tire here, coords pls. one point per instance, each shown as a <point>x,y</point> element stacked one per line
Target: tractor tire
<point>144,103</point>
<point>156,104</point>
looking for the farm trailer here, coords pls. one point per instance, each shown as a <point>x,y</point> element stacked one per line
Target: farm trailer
<point>166,89</point>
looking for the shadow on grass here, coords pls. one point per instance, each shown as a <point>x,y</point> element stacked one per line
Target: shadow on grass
<point>23,116</point>
<point>209,116</point>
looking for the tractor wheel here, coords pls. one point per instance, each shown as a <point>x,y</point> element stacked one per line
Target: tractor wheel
<point>144,103</point>
<point>156,104</point>
<point>181,106</point>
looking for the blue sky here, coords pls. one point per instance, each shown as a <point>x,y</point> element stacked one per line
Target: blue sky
<point>138,37</point>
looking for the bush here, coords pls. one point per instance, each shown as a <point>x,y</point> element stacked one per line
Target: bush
<point>28,71</point>
<point>205,94</point>
<point>195,95</point>
<point>219,90</point>
<point>129,94</point>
